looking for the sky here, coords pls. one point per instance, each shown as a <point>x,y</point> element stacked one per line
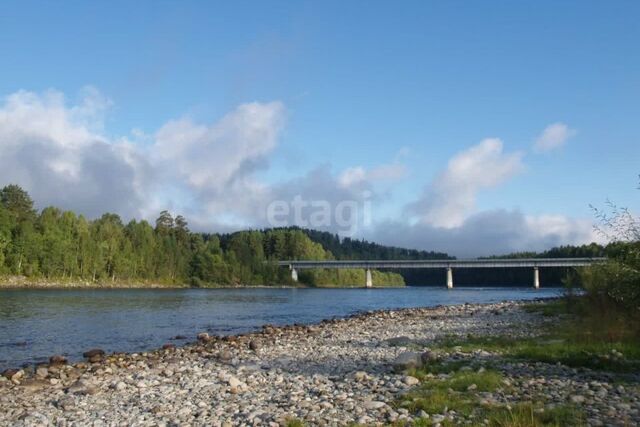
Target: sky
<point>474,128</point>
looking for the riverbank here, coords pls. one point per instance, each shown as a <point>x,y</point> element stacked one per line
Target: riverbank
<point>441,365</point>
<point>21,282</point>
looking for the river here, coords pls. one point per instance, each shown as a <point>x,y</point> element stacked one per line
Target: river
<point>35,324</point>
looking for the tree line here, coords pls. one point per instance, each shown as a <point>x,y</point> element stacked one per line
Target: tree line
<point>60,245</point>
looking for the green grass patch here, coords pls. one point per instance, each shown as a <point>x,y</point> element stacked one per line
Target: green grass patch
<point>617,356</point>
<point>295,422</point>
<point>439,394</point>
<point>575,337</point>
<point>547,308</point>
<point>526,415</point>
<point>438,367</point>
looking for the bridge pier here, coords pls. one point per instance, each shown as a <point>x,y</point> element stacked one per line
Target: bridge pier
<point>294,274</point>
<point>536,278</point>
<point>449,278</point>
<point>368,280</point>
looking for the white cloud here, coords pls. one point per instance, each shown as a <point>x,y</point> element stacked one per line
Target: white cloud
<point>358,175</point>
<point>209,157</point>
<point>489,233</point>
<point>552,137</point>
<point>60,153</point>
<point>57,153</point>
<point>448,200</point>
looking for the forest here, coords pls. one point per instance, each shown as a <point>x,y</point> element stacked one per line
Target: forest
<point>61,246</point>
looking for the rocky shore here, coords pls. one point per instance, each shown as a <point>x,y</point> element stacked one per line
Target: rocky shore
<point>338,372</point>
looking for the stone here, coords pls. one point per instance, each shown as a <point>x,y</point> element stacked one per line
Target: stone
<point>33,385</point>
<point>13,374</point>
<point>576,398</point>
<point>234,382</point>
<point>407,360</point>
<point>93,352</point>
<point>373,404</point>
<point>168,346</point>
<point>437,418</point>
<point>360,376</point>
<point>411,381</point>
<point>42,372</point>
<point>225,355</point>
<point>428,356</point>
<point>204,337</point>
<point>57,360</point>
<point>121,386</point>
<point>254,345</point>
<point>472,387</point>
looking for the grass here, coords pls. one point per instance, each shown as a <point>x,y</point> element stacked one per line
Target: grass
<point>437,395</point>
<point>526,415</point>
<point>452,393</point>
<point>548,309</point>
<point>556,348</point>
<point>574,336</point>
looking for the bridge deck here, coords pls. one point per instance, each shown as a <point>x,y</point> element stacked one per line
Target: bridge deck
<point>462,263</point>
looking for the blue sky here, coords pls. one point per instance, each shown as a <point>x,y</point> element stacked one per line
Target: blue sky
<point>391,90</point>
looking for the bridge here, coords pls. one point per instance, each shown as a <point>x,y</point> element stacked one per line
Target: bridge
<point>447,264</point>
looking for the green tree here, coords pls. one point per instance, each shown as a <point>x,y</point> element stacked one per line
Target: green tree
<point>18,203</point>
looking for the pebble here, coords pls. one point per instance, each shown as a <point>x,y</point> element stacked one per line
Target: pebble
<point>336,373</point>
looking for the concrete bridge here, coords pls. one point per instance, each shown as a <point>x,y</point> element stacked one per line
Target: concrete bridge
<point>448,265</point>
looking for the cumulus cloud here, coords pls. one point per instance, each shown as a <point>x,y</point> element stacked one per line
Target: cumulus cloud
<point>451,197</point>
<point>552,137</point>
<point>57,153</point>
<point>489,233</point>
<point>60,153</point>
<point>358,175</point>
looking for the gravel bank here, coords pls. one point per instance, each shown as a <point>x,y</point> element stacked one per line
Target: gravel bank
<point>335,373</point>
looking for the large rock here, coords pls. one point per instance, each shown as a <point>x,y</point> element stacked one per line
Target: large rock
<point>428,356</point>
<point>33,385</point>
<point>407,360</point>
<point>57,360</point>
<point>93,352</point>
<point>13,374</point>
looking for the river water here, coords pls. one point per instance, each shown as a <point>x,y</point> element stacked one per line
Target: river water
<point>35,324</point>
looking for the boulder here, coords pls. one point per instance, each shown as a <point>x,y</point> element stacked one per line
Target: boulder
<point>57,360</point>
<point>225,355</point>
<point>42,372</point>
<point>204,337</point>
<point>411,381</point>
<point>13,374</point>
<point>33,385</point>
<point>428,356</point>
<point>95,358</point>
<point>93,352</point>
<point>407,360</point>
<point>254,345</point>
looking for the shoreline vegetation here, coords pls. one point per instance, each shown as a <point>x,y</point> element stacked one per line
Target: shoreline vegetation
<point>543,363</point>
<point>61,247</point>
